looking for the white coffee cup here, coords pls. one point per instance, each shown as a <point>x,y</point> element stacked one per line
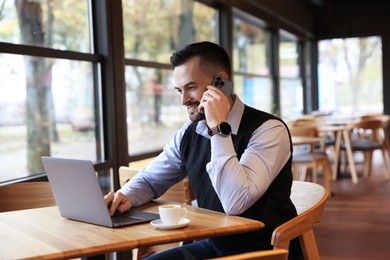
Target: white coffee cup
<point>172,214</point>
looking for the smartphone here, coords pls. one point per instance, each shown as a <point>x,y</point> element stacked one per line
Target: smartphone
<point>224,85</point>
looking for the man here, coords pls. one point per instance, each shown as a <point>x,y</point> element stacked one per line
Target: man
<point>238,159</point>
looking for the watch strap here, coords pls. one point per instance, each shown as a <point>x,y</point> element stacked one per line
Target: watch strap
<point>224,129</point>
<point>214,130</point>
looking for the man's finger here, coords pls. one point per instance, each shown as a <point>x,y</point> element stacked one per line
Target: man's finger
<point>125,206</point>
<point>109,197</point>
<point>116,202</point>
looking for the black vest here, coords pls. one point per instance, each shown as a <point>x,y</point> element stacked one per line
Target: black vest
<point>273,208</point>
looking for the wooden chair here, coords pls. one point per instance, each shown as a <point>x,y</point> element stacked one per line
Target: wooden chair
<point>383,135</point>
<point>26,195</point>
<point>309,199</point>
<point>310,157</point>
<point>328,140</point>
<point>367,136</point>
<point>180,192</point>
<point>386,140</point>
<point>277,254</point>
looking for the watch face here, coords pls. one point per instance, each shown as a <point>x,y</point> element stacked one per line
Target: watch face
<point>225,128</point>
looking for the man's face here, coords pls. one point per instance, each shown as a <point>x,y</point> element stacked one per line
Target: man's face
<point>190,81</point>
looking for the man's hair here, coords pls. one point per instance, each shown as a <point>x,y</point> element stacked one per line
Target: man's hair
<point>212,57</point>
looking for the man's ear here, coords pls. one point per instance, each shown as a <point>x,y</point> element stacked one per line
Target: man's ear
<point>223,74</point>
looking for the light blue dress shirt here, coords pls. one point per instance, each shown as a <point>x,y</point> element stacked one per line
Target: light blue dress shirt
<point>238,183</point>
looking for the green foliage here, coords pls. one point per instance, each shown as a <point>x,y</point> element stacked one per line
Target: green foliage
<point>65,24</point>
<point>152,27</point>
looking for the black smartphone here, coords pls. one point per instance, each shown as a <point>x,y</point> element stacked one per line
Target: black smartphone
<point>224,85</point>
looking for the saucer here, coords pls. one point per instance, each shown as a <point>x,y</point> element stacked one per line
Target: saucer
<point>157,223</point>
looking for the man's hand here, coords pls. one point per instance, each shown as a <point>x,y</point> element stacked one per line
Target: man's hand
<point>117,201</point>
<point>216,106</point>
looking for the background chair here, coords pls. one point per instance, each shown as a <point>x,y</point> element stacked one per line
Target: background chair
<point>277,254</point>
<point>328,138</point>
<point>26,195</point>
<point>309,157</point>
<point>383,134</point>
<point>367,136</point>
<point>309,199</point>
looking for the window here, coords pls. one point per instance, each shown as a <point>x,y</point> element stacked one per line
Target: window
<point>153,30</point>
<point>49,101</point>
<point>350,75</point>
<point>251,62</point>
<point>61,25</point>
<point>291,88</point>
<point>65,93</point>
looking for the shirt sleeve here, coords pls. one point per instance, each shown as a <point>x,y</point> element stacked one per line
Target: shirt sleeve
<point>164,171</point>
<point>240,183</point>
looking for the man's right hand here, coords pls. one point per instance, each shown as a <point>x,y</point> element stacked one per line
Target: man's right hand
<point>117,201</point>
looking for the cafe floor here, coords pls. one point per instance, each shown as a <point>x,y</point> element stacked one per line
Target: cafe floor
<point>356,221</point>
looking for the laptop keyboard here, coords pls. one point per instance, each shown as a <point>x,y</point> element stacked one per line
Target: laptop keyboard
<point>119,218</point>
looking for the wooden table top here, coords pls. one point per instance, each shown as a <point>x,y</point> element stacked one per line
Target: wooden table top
<point>43,233</point>
<point>338,120</point>
<point>300,140</point>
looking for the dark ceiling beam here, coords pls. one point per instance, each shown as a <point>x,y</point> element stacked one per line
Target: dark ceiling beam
<point>352,18</point>
<point>295,16</point>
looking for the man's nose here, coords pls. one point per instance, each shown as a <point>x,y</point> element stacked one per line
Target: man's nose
<point>184,99</point>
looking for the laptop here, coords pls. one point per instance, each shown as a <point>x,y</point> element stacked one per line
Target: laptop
<point>79,197</point>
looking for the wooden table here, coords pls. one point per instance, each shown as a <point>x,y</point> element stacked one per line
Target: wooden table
<point>303,140</point>
<point>43,233</point>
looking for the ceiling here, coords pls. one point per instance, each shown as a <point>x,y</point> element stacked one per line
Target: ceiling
<point>342,18</point>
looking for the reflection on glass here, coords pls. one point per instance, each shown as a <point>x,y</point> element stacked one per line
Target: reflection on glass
<point>47,109</point>
<point>154,29</point>
<point>250,53</point>
<point>255,92</point>
<point>60,24</point>
<point>291,98</point>
<point>154,110</point>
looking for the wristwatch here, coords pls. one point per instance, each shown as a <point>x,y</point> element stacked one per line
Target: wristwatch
<point>224,129</point>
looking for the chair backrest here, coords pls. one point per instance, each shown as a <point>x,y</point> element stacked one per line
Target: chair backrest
<point>26,195</point>
<point>385,119</point>
<point>302,129</point>
<point>180,192</point>
<point>277,254</point>
<point>309,199</point>
<point>305,195</point>
<point>126,174</point>
<point>369,128</point>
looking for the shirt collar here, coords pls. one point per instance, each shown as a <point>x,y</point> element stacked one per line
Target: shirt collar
<point>233,119</point>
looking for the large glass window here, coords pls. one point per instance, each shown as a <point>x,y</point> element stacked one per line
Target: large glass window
<point>154,110</point>
<point>291,88</point>
<point>62,24</point>
<point>251,62</point>
<point>153,30</point>
<point>50,104</point>
<point>350,75</point>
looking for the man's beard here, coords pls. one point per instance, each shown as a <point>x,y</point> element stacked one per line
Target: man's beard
<point>196,116</point>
